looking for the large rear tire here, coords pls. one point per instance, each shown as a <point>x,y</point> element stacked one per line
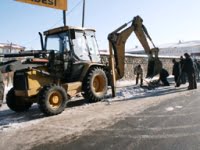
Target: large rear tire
<point>17,103</point>
<point>95,85</point>
<point>52,100</point>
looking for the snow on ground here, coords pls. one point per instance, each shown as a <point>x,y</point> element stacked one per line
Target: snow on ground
<point>19,120</point>
<point>31,128</point>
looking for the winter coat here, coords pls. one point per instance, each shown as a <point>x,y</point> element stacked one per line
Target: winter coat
<point>188,66</point>
<point>138,70</point>
<point>176,69</point>
<point>164,74</point>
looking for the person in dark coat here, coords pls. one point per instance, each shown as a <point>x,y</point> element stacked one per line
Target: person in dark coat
<point>163,77</point>
<point>138,71</point>
<point>176,72</point>
<point>183,74</point>
<point>190,71</point>
<point>197,69</point>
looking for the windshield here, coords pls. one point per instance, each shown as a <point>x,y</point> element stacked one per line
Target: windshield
<point>58,42</point>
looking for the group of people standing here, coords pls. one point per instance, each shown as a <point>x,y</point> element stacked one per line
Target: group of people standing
<point>183,69</point>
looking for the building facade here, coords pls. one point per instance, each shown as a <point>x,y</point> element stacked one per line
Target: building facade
<point>9,48</point>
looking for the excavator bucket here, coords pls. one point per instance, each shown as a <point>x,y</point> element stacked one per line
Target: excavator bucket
<point>154,67</point>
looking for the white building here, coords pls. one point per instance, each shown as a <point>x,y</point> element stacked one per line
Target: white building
<point>174,49</point>
<point>9,48</point>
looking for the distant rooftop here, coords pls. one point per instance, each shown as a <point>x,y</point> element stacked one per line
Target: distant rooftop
<point>181,44</point>
<point>11,45</point>
<point>173,49</point>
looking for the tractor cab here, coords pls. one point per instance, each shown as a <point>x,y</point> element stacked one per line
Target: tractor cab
<point>71,51</point>
<point>78,42</point>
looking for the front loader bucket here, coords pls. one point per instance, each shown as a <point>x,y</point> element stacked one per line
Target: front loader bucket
<point>154,67</point>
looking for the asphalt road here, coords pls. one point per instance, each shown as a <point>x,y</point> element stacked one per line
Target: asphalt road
<point>171,125</point>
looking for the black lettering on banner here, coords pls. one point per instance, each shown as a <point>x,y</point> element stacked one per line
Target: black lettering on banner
<point>44,1</point>
<point>47,2</point>
<point>50,2</point>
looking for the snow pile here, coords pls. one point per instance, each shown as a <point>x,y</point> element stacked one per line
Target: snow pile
<point>7,88</point>
<point>135,91</point>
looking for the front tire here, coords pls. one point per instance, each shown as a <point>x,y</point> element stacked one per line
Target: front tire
<point>95,85</point>
<point>52,100</point>
<point>17,103</point>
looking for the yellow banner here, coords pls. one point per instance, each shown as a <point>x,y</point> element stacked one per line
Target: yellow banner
<point>57,4</point>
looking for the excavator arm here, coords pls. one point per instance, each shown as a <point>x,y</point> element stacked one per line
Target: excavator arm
<point>117,40</point>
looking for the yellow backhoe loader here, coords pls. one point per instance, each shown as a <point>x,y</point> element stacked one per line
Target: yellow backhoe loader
<point>69,63</point>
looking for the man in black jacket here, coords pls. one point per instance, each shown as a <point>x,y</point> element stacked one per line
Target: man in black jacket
<point>176,72</point>
<point>183,74</point>
<point>190,71</point>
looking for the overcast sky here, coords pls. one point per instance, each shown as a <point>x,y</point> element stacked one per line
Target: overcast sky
<point>167,21</point>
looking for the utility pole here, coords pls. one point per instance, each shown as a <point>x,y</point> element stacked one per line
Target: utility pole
<point>64,17</point>
<point>83,14</point>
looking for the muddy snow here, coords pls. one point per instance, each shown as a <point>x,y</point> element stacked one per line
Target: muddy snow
<point>28,129</point>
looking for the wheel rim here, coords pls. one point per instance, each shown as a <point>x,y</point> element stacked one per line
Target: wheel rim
<point>99,84</point>
<point>55,99</point>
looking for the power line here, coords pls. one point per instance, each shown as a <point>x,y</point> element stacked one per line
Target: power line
<point>75,7</point>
